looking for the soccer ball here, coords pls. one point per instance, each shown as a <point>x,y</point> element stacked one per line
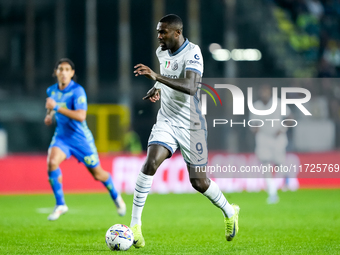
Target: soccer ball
<point>119,237</point>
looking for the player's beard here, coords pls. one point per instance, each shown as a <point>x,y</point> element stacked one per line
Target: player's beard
<point>163,46</point>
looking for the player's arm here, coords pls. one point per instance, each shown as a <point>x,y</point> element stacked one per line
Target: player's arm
<point>187,85</point>
<point>79,115</point>
<point>153,95</point>
<point>49,117</point>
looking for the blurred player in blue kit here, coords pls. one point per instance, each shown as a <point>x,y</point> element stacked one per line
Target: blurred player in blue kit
<point>180,123</point>
<point>67,101</point>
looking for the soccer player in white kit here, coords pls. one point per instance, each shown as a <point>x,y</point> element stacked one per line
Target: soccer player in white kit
<point>270,139</point>
<point>180,123</point>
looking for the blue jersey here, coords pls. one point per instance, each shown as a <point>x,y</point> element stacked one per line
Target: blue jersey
<point>71,136</point>
<point>73,97</point>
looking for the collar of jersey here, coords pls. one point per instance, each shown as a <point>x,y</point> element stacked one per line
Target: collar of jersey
<point>68,88</point>
<point>186,42</point>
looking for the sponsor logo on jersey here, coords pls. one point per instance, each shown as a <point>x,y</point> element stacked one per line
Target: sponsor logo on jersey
<point>197,57</point>
<point>68,94</point>
<point>62,104</point>
<point>174,65</point>
<point>192,62</point>
<point>170,76</point>
<point>81,100</point>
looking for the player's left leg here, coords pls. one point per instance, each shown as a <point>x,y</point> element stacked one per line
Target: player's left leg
<point>55,156</point>
<point>210,189</point>
<point>278,158</point>
<point>104,177</point>
<point>272,188</point>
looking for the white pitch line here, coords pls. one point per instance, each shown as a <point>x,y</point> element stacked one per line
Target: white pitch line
<point>46,210</point>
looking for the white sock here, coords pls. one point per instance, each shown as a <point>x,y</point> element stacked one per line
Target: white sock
<point>214,194</point>
<point>143,186</point>
<point>271,187</point>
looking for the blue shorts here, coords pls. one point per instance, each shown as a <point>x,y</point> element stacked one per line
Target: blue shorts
<point>85,152</point>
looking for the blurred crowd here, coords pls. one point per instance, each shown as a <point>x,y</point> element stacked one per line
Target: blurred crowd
<point>313,27</point>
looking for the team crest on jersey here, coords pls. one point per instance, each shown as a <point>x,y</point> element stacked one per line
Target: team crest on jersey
<point>81,100</point>
<point>174,65</point>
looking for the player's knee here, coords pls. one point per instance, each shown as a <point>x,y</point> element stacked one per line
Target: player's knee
<point>100,176</point>
<point>199,184</point>
<point>97,176</point>
<point>150,167</point>
<point>52,164</point>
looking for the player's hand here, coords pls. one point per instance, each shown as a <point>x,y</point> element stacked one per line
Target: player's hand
<point>48,120</point>
<point>152,95</point>
<point>141,69</point>
<point>50,103</point>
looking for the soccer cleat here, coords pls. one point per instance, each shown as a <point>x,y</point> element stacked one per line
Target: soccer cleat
<point>121,207</point>
<point>231,224</point>
<point>274,199</point>
<point>138,241</point>
<point>58,210</point>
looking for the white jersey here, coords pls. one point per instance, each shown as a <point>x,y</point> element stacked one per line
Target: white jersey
<point>178,108</point>
<point>271,147</point>
<point>267,129</point>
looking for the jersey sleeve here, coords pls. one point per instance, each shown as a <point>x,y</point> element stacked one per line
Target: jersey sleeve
<point>194,60</point>
<point>158,85</point>
<point>80,99</point>
<point>48,91</point>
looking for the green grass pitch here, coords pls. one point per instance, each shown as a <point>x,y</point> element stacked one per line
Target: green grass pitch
<point>304,222</point>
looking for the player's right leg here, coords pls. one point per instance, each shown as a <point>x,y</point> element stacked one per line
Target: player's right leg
<point>155,156</point>
<point>273,197</point>
<point>270,150</point>
<point>86,152</point>
<point>105,178</point>
<point>195,153</point>
<point>54,158</point>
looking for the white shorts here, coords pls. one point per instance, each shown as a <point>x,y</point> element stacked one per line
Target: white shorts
<point>192,142</point>
<point>271,149</point>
